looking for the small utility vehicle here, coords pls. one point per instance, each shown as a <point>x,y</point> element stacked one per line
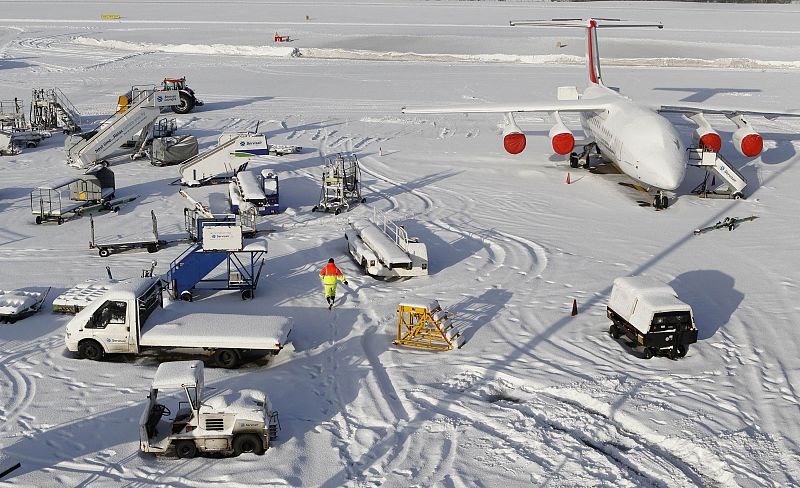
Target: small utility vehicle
<point>227,422</point>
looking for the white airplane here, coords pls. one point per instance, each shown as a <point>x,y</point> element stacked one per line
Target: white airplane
<point>634,137</point>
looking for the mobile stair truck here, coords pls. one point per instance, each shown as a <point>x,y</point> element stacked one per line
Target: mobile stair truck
<point>384,248</point>
<point>649,313</point>
<point>86,150</point>
<point>131,319</point>
<point>228,422</point>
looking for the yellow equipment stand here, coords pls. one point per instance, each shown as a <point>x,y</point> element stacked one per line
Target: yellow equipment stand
<point>426,326</point>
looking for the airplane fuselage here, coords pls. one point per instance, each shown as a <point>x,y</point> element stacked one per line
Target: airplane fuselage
<point>640,142</point>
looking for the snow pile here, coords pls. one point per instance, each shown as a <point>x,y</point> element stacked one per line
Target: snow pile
<point>367,55</point>
<point>211,49</point>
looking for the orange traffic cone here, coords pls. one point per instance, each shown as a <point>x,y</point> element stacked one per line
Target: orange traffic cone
<point>568,182</point>
<point>574,307</point>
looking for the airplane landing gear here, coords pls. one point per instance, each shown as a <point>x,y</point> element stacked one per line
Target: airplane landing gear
<point>582,160</point>
<point>660,201</point>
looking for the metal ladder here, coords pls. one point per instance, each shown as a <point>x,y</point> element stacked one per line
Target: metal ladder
<point>733,183</point>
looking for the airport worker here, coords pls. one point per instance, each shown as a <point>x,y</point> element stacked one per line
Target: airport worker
<point>330,275</point>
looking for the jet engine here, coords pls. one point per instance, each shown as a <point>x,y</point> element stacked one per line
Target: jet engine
<point>513,138</point>
<point>704,135</point>
<point>747,141</point>
<point>561,139</point>
<point>707,138</point>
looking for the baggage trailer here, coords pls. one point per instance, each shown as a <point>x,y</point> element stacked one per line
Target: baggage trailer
<point>107,247</point>
<point>131,319</point>
<point>226,422</point>
<point>61,200</point>
<point>17,304</point>
<point>649,313</point>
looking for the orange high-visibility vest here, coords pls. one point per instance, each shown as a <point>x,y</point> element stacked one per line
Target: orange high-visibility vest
<point>330,274</point>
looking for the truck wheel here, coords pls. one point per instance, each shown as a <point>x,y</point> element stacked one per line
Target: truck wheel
<point>647,353</point>
<point>681,350</point>
<point>38,220</point>
<point>186,449</point>
<point>186,105</point>
<point>614,331</point>
<point>247,294</point>
<point>104,252</point>
<point>227,358</point>
<point>91,350</point>
<point>186,296</point>
<point>247,443</point>
<point>152,248</point>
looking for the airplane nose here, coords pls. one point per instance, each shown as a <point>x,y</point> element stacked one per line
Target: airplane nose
<point>672,175</point>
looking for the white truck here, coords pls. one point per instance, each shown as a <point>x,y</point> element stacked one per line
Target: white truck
<point>649,313</point>
<point>130,319</point>
<point>228,422</point>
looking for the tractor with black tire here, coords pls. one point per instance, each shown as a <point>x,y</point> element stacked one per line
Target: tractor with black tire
<point>187,423</point>
<point>188,99</point>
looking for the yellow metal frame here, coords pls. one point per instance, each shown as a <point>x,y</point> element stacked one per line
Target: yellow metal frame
<point>416,327</point>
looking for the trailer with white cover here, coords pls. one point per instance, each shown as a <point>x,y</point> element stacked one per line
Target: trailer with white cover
<point>18,304</point>
<point>649,313</point>
<point>189,422</point>
<point>385,249</point>
<point>257,189</point>
<point>131,319</point>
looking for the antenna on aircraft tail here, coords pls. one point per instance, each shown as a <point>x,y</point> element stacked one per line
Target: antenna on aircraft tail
<point>591,25</point>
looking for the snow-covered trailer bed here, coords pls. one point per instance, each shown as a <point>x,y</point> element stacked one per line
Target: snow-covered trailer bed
<point>166,328</point>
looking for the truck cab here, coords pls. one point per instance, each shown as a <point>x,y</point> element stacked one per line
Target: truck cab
<point>187,423</point>
<point>110,323</point>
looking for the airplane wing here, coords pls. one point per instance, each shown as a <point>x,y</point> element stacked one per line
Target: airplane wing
<point>699,109</point>
<point>560,106</point>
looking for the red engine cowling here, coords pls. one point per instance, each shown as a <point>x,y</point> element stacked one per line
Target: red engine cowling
<point>707,138</point>
<point>748,142</point>
<point>561,139</point>
<point>513,139</point>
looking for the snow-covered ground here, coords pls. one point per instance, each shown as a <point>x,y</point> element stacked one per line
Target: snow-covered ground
<point>535,397</point>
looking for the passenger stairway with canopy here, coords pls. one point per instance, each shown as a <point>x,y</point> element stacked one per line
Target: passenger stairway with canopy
<point>732,182</point>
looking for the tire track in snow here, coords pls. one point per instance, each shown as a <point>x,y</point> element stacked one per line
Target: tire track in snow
<point>21,386</point>
<point>63,47</point>
<point>581,422</point>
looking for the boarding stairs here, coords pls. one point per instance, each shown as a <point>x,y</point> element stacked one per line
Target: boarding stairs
<point>194,264</point>
<point>732,182</point>
<point>117,129</point>
<point>210,164</point>
<point>51,109</point>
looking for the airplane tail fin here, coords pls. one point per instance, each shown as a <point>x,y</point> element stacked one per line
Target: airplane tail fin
<point>591,26</point>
